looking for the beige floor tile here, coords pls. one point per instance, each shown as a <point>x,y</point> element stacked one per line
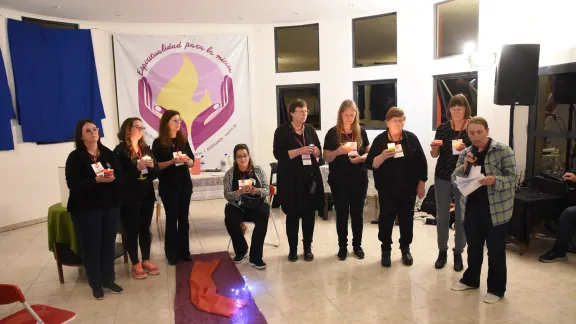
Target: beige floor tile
<point>317,311</point>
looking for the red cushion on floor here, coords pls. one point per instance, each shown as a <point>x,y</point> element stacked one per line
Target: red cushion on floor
<point>49,315</point>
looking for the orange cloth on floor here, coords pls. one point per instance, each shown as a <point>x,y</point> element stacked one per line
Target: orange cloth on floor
<point>203,291</point>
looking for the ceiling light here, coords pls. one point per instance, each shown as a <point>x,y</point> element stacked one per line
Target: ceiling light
<point>56,7</point>
<point>295,13</point>
<point>117,15</point>
<point>241,18</point>
<point>350,5</point>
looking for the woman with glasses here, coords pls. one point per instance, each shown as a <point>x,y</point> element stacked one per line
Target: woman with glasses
<point>400,172</point>
<point>92,175</point>
<point>300,188</point>
<point>138,198</point>
<point>174,155</point>
<point>345,149</point>
<point>451,139</point>
<point>245,189</point>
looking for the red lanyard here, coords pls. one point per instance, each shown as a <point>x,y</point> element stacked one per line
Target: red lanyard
<point>139,153</point>
<point>94,158</point>
<point>393,141</point>
<point>303,143</point>
<point>454,126</point>
<point>350,139</point>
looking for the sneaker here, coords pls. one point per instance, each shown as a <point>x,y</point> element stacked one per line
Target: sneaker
<point>386,262</point>
<point>342,254</point>
<point>359,253</point>
<point>260,265</point>
<point>150,268</point>
<point>98,293</point>
<point>113,288</point>
<point>407,257</point>
<point>458,286</point>
<point>441,261</point>
<point>552,256</point>
<point>490,298</point>
<point>138,272</point>
<point>458,263</point>
<point>239,257</point>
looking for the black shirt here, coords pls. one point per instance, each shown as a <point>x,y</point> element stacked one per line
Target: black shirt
<point>135,188</point>
<point>174,177</point>
<point>85,192</point>
<point>479,198</point>
<point>447,161</point>
<point>342,171</point>
<point>398,177</point>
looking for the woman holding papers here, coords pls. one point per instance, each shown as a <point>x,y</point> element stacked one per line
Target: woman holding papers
<point>400,172</point>
<point>487,209</point>
<point>346,147</point>
<point>174,156</point>
<point>451,138</point>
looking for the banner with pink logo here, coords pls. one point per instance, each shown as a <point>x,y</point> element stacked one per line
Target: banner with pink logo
<point>205,78</point>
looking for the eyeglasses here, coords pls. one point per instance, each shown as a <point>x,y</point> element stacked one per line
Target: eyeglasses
<point>140,128</point>
<point>397,120</point>
<point>176,121</point>
<point>456,109</point>
<point>240,157</point>
<point>302,112</point>
<point>91,130</point>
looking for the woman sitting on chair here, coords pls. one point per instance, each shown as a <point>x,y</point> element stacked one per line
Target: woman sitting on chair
<point>246,189</point>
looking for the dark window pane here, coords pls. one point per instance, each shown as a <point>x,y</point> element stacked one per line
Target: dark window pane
<point>307,92</point>
<point>374,99</point>
<point>446,86</point>
<point>375,40</point>
<point>50,24</point>
<point>456,25</point>
<point>297,48</point>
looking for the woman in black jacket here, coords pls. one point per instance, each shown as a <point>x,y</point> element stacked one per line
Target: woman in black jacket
<point>174,155</point>
<point>138,198</point>
<point>92,175</point>
<point>400,172</point>
<point>300,189</point>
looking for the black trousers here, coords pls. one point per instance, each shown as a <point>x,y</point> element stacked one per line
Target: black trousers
<point>566,229</point>
<point>390,207</point>
<point>349,202</point>
<point>176,238</point>
<point>308,215</point>
<point>234,216</point>
<point>479,229</point>
<point>96,230</point>
<point>136,220</point>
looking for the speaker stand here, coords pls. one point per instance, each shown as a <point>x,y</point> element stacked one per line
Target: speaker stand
<point>511,127</point>
<point>567,165</point>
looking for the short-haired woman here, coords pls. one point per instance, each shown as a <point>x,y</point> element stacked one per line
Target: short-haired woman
<point>174,155</point>
<point>138,198</point>
<point>346,147</point>
<point>450,139</point>
<point>400,172</point>
<point>300,188</point>
<point>487,210</point>
<point>92,175</point>
<point>246,189</point>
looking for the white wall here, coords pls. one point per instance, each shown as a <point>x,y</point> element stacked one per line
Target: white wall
<point>29,173</point>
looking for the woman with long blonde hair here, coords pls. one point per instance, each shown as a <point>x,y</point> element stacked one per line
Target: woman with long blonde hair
<point>346,147</point>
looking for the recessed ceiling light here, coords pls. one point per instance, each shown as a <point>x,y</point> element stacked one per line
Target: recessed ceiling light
<point>295,13</point>
<point>180,18</point>
<point>117,15</point>
<point>56,7</point>
<point>241,18</point>
<point>350,5</point>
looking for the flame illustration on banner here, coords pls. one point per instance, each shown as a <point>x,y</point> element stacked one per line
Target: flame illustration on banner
<point>192,85</point>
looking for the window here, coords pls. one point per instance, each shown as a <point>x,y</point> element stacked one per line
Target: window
<point>307,92</point>
<point>375,40</point>
<point>297,48</point>
<point>448,85</point>
<point>456,26</point>
<point>374,98</point>
<point>50,24</point>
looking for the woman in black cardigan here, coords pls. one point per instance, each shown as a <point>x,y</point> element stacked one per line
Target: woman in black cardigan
<point>174,155</point>
<point>138,198</point>
<point>400,172</point>
<point>92,175</point>
<point>300,189</point>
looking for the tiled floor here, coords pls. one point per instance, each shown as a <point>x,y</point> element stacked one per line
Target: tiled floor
<point>323,291</point>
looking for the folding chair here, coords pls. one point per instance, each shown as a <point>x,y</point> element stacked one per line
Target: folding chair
<point>270,200</point>
<point>35,314</point>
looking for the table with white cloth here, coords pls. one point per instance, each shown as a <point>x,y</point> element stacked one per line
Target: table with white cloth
<point>208,185</point>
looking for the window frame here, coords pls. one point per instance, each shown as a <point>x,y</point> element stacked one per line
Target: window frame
<point>435,30</point>
<point>276,47</point>
<point>354,20</point>
<point>355,85</point>
<point>298,86</point>
<point>435,82</point>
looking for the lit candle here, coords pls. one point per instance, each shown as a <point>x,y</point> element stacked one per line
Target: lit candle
<point>146,158</point>
<point>456,143</point>
<point>392,147</point>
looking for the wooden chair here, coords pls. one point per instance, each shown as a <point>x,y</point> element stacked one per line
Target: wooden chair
<point>35,314</point>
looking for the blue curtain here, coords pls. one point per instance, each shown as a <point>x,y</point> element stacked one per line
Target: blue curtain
<point>6,111</point>
<point>55,80</point>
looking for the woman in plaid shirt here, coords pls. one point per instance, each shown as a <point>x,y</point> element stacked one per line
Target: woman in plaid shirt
<point>487,210</point>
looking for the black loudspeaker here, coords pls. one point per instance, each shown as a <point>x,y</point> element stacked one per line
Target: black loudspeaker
<point>565,88</point>
<point>517,75</point>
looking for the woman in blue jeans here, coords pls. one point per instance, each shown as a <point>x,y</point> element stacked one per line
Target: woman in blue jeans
<point>92,175</point>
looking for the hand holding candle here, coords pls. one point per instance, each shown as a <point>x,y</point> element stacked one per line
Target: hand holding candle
<point>148,160</point>
<point>108,173</point>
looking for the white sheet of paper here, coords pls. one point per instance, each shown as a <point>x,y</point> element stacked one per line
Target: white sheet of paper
<point>472,182</point>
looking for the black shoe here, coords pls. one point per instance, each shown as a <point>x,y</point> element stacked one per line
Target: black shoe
<point>572,248</point>
<point>186,258</point>
<point>113,288</point>
<point>172,262</point>
<point>342,254</point>
<point>552,256</point>
<point>407,257</point>
<point>293,256</point>
<point>458,264</point>
<point>98,293</point>
<point>239,257</point>
<point>441,261</point>
<point>386,262</point>
<point>260,265</point>
<point>308,256</point>
<point>359,253</point>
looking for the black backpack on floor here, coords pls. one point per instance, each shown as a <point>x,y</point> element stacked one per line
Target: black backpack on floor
<point>429,203</point>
